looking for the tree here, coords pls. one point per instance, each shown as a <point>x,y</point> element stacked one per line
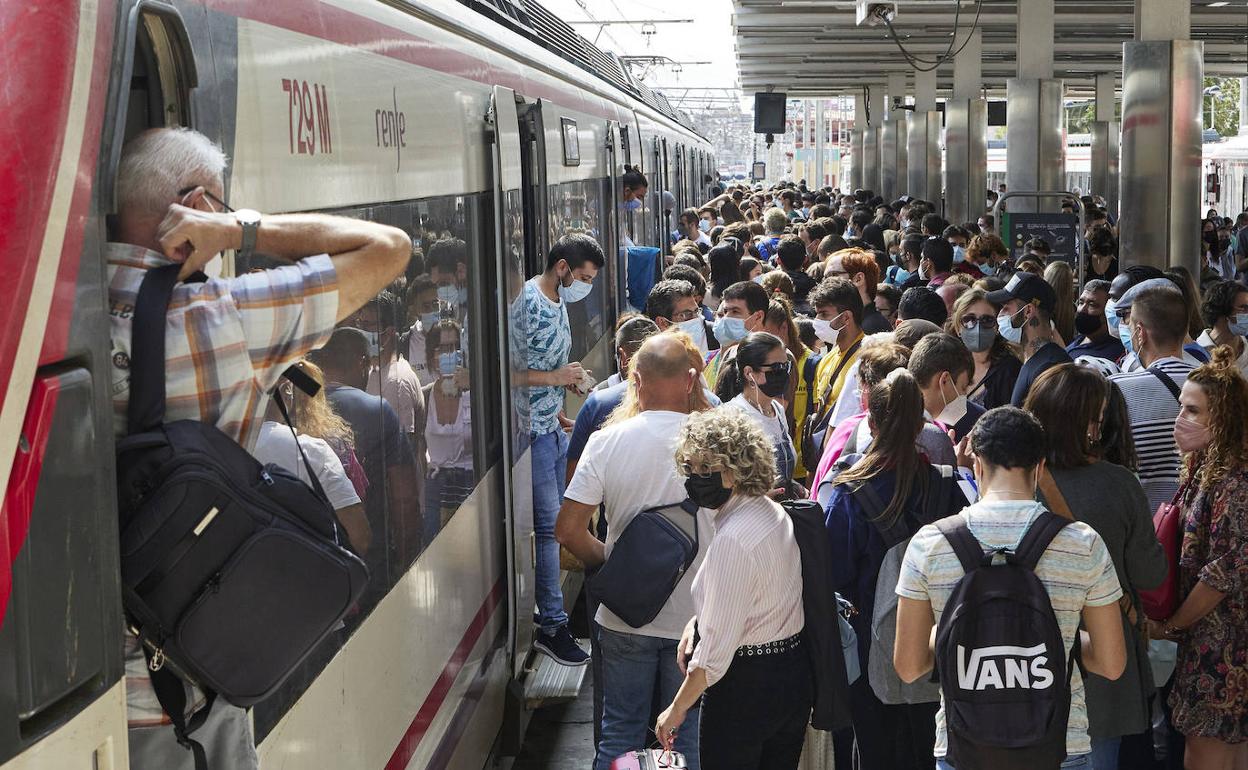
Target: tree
<point>1224,106</point>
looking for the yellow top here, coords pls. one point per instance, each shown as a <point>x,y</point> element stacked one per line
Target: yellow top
<point>830,363</point>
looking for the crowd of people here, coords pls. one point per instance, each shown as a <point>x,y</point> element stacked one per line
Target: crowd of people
<point>911,377</point>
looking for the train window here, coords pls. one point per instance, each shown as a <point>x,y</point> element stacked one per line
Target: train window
<point>162,77</point>
<point>581,207</point>
<point>411,402</point>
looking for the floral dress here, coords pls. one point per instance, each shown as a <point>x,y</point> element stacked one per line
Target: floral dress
<point>1210,695</point>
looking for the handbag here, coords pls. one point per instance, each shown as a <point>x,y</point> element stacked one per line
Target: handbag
<point>650,557</point>
<point>1161,602</point>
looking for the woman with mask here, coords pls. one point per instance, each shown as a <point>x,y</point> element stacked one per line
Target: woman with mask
<point>1209,695</point>
<point>635,188</point>
<point>750,666</point>
<point>448,428</point>
<point>974,320</point>
<point>753,383</point>
<point>1224,311</point>
<point>988,253</point>
<point>1071,402</point>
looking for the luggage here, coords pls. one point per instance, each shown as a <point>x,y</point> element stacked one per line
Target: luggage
<point>649,558</point>
<point>1000,655</point>
<point>232,572</point>
<point>650,759</point>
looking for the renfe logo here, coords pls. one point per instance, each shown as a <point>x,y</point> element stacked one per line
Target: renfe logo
<point>1003,667</point>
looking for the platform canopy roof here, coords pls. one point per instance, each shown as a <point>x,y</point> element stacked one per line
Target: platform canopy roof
<point>815,48</point>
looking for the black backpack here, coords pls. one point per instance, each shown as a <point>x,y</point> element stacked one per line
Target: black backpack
<point>231,571</point>
<point>1000,656</point>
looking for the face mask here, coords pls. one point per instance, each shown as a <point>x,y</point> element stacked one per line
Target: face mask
<point>1189,435</point>
<point>959,254</point>
<point>448,363</point>
<point>1087,324</point>
<point>461,294</point>
<point>448,295</point>
<point>758,279</point>
<point>1111,316</point>
<point>707,491</point>
<point>924,274</point>
<point>1239,327</point>
<point>632,205</point>
<point>578,291</point>
<point>901,276</point>
<point>806,212</point>
<point>696,329</point>
<point>704,225</point>
<point>374,343</point>
<point>1006,328</point>
<point>954,410</point>
<point>987,269</point>
<point>774,384</point>
<point>825,331</point>
<point>979,339</point>
<point>1124,334</point>
<point>730,330</point>
<point>429,320</point>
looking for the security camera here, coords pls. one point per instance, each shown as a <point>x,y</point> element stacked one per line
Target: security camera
<point>873,14</point>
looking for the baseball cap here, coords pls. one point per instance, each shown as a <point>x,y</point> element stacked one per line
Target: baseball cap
<point>1029,288</point>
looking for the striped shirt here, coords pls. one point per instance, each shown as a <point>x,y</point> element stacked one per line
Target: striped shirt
<point>227,342</point>
<point>1152,410</point>
<point>749,588</point>
<point>1076,570</point>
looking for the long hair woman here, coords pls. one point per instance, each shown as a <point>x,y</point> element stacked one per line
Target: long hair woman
<point>974,321</point>
<point>1209,696</point>
<point>1071,402</point>
<point>753,382</point>
<point>1060,276</point>
<point>724,263</point>
<point>910,492</point>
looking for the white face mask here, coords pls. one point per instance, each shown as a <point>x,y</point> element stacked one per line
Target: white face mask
<point>825,331</point>
<point>954,410</point>
<point>696,329</point>
<point>576,292</point>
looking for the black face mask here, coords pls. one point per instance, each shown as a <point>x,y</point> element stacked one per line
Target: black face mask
<point>775,384</point>
<point>707,491</point>
<point>1088,324</point>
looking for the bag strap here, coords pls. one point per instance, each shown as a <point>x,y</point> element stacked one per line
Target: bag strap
<point>146,409</point>
<point>1164,379</point>
<point>967,548</point>
<point>1037,538</point>
<point>171,694</point>
<point>1053,496</point>
<point>689,507</point>
<point>837,373</point>
<point>281,407</point>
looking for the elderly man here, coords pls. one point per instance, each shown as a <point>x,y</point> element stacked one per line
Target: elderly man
<point>227,341</point>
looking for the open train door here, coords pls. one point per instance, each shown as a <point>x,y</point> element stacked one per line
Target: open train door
<point>518,476</point>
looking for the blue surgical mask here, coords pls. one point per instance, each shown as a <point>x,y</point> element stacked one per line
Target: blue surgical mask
<point>1111,316</point>
<point>959,254</point>
<point>462,295</point>
<point>449,295</point>
<point>730,330</point>
<point>900,276</point>
<point>1006,329</point>
<point>704,225</point>
<point>987,269</point>
<point>429,320</point>
<point>632,205</point>
<point>1124,334</point>
<point>1239,326</point>
<point>578,291</point>
<point>448,363</point>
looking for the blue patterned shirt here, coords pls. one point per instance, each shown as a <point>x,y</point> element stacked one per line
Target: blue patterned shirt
<point>550,341</point>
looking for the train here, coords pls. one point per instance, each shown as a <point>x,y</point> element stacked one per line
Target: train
<point>488,124</point>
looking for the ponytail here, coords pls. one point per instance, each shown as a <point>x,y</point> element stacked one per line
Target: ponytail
<point>633,178</point>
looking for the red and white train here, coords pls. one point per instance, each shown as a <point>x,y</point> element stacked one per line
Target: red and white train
<point>486,120</point>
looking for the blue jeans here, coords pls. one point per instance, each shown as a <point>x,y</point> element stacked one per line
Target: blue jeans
<point>1105,753</point>
<point>632,665</point>
<point>1079,762</point>
<point>550,470</point>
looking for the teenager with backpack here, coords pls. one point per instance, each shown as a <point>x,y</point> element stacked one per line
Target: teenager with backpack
<point>1006,584</point>
<point>876,506</point>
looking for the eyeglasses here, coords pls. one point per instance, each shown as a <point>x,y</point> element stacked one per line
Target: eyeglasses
<point>214,199</point>
<point>779,366</point>
<point>685,315</point>
<point>971,321</point>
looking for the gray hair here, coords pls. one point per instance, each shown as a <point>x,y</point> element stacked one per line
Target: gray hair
<point>156,164</point>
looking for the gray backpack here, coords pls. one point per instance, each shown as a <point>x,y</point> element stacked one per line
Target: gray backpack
<point>943,499</point>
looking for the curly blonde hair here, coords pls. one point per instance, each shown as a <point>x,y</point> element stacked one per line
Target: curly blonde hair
<point>1227,391</point>
<point>728,440</point>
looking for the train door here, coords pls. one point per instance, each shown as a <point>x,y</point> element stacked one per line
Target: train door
<point>658,162</point>
<point>614,223</point>
<point>510,235</point>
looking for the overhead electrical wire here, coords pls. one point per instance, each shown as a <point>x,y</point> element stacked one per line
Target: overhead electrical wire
<point>923,65</point>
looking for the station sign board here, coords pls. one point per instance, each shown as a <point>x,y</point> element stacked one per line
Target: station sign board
<point>1060,231</point>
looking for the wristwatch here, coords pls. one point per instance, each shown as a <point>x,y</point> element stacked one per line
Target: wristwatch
<point>250,221</point>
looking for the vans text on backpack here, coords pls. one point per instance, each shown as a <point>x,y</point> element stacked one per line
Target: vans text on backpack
<point>231,571</point>
<point>1000,656</point>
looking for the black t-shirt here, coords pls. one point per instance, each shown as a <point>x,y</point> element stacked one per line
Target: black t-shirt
<point>873,321</point>
<point>1051,354</point>
<point>1110,348</point>
<point>802,284</point>
<point>997,385</point>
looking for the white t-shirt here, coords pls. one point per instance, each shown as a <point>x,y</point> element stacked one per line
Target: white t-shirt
<point>276,445</point>
<point>627,468</point>
<point>416,355</point>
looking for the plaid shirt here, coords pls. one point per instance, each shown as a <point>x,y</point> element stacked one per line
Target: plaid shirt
<point>227,341</point>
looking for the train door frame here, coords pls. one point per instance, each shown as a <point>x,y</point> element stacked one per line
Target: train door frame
<point>619,299</point>
<point>533,174</point>
<point>508,161</point>
<point>660,171</point>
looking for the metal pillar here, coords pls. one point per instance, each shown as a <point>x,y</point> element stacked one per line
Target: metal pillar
<point>966,159</point>
<point>1161,152</point>
<point>855,159</point>
<point>1036,152</point>
<point>1105,135</point>
<point>819,175</point>
<point>871,139</point>
<point>893,140</point>
<point>923,140</point>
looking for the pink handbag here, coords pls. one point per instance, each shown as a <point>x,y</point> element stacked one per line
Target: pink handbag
<point>1161,602</point>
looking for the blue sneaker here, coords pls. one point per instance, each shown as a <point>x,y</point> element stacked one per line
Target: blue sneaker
<point>561,647</point>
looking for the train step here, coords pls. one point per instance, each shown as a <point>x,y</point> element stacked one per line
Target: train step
<point>547,682</point>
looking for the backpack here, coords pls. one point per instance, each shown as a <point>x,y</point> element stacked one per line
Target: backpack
<point>1000,656</point>
<point>942,497</point>
<point>647,561</point>
<point>232,572</point>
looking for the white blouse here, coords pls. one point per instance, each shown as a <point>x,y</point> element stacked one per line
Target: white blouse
<point>749,588</point>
